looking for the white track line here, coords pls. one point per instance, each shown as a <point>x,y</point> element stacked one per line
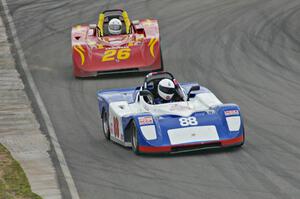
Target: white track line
<point>45,115</point>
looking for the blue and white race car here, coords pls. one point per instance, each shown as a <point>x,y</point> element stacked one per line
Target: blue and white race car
<point>197,119</point>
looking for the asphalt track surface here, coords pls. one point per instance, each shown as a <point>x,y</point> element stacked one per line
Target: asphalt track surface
<point>246,52</point>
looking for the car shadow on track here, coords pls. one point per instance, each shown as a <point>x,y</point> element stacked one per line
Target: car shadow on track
<point>114,76</point>
<point>194,153</point>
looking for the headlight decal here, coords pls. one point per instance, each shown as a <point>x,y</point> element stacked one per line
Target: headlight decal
<point>234,123</point>
<point>149,132</point>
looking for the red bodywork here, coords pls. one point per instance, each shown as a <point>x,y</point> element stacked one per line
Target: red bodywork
<point>133,52</point>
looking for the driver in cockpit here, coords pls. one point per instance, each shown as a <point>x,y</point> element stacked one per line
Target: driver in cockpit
<point>166,91</point>
<point>115,26</point>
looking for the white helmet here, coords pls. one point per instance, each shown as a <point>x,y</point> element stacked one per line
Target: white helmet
<point>166,89</point>
<point>115,26</point>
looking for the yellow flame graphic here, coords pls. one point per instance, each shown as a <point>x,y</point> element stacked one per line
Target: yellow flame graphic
<point>100,46</point>
<point>151,44</point>
<point>80,50</point>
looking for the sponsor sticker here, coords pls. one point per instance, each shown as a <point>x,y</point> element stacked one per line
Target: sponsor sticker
<point>116,127</point>
<point>145,120</point>
<point>231,112</point>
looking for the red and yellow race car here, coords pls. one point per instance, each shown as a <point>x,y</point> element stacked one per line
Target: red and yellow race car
<point>116,45</point>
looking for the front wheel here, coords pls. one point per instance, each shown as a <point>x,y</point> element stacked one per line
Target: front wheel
<point>243,139</point>
<point>243,142</point>
<point>105,126</point>
<point>134,139</point>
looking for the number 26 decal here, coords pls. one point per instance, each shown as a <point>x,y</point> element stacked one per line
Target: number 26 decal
<point>120,54</point>
<point>188,121</point>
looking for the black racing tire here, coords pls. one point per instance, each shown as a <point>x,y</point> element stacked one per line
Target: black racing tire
<point>242,143</point>
<point>244,138</point>
<point>134,139</point>
<point>161,60</point>
<point>105,125</point>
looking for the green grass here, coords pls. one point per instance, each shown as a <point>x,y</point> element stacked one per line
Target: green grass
<point>13,181</point>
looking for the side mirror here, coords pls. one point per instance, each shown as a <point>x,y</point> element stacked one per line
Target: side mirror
<point>194,88</point>
<point>145,93</point>
<point>148,95</point>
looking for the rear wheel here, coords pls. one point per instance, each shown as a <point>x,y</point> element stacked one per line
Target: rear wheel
<point>161,60</point>
<point>161,63</point>
<point>105,126</point>
<point>134,139</point>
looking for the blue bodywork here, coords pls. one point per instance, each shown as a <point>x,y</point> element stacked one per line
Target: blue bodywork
<point>214,116</point>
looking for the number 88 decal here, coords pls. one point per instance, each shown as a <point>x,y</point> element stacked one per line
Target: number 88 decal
<point>188,121</point>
